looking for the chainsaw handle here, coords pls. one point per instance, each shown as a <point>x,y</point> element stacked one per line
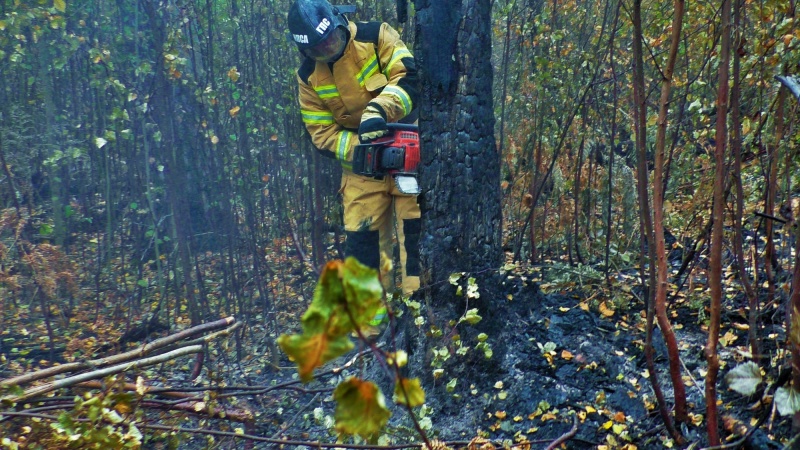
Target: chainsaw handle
<point>397,126</point>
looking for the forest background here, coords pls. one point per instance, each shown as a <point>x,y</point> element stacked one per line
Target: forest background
<point>156,174</point>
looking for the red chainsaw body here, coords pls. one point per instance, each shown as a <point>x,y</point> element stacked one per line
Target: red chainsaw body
<point>372,158</point>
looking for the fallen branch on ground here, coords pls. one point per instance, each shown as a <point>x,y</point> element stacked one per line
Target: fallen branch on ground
<point>101,373</point>
<point>122,357</point>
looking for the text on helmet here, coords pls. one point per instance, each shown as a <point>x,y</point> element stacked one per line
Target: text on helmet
<point>323,25</point>
<point>300,38</point>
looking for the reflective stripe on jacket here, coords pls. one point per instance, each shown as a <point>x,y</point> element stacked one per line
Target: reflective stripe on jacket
<point>375,66</point>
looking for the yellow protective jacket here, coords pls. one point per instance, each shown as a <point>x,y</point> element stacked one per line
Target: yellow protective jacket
<point>376,66</point>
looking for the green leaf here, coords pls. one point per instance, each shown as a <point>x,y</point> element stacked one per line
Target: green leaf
<point>744,378</point>
<point>360,409</point>
<point>312,350</point>
<point>347,296</point>
<point>409,388</point>
<point>472,316</point>
<point>60,5</point>
<point>787,400</point>
<point>451,385</point>
<point>794,330</point>
<point>45,229</point>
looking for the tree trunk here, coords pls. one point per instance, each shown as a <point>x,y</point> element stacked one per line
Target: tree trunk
<point>681,414</point>
<point>460,170</point>
<point>647,257</point>
<point>736,179</point>
<point>715,264</point>
<point>162,111</point>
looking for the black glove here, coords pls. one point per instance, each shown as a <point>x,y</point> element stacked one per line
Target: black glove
<point>373,123</point>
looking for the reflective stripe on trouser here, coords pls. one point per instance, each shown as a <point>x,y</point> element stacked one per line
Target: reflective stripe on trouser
<point>370,209</point>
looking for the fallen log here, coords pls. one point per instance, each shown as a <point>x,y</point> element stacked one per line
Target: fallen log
<point>122,357</point>
<point>101,373</point>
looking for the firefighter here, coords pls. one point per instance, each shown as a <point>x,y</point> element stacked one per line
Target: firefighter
<point>354,78</point>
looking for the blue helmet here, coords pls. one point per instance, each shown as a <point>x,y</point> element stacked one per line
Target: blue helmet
<point>318,29</point>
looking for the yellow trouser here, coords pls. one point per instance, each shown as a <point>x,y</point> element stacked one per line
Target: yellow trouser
<point>372,208</point>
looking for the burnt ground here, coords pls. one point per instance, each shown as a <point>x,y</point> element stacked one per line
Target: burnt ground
<point>557,359</point>
<point>555,362</point>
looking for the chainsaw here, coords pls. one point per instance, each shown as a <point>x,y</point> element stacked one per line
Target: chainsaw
<point>395,154</point>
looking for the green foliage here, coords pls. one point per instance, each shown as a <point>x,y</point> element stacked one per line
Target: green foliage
<point>96,422</point>
<point>407,391</point>
<point>347,297</point>
<point>360,409</point>
<point>744,378</point>
<point>787,399</point>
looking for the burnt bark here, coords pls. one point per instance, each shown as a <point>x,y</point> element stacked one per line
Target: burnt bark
<point>460,170</point>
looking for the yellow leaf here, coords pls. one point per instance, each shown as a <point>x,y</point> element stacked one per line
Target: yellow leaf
<point>619,417</point>
<point>401,358</point>
<point>728,338</point>
<point>408,389</point>
<point>123,408</point>
<point>234,111</point>
<point>608,424</point>
<point>500,415</point>
<point>566,355</point>
<point>60,5</point>
<point>140,387</point>
<point>199,406</point>
<point>214,140</point>
<point>590,410</point>
<point>605,310</point>
<point>563,309</point>
<point>548,416</point>
<point>233,74</point>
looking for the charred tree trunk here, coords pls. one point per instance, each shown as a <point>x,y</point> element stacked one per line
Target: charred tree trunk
<point>460,178</point>
<point>162,109</point>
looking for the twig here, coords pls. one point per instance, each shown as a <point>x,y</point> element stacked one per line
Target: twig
<point>567,436</point>
<point>296,416</point>
<point>303,256</point>
<point>767,216</point>
<point>694,381</point>
<point>115,359</point>
<point>69,381</point>
<point>790,444</point>
<point>203,340</point>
